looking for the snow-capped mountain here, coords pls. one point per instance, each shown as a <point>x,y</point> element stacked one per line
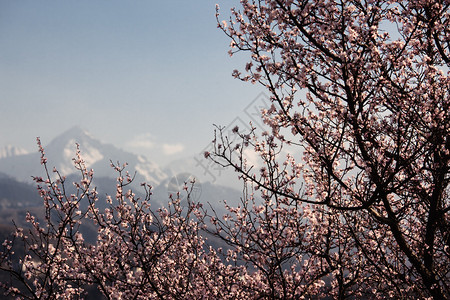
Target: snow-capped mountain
<point>10,150</point>
<point>212,185</point>
<point>97,155</point>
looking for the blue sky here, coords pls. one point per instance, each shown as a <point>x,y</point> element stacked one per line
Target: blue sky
<point>148,76</point>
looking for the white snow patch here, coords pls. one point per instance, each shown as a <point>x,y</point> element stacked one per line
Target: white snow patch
<point>142,159</point>
<point>10,150</point>
<point>69,150</point>
<point>150,171</point>
<point>90,154</point>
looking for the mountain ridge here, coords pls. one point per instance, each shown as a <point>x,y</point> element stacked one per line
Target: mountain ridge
<point>97,155</point>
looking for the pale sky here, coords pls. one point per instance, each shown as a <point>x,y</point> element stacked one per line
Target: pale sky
<point>150,77</point>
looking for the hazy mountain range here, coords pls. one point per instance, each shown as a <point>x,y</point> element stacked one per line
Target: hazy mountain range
<point>17,167</point>
<point>62,149</point>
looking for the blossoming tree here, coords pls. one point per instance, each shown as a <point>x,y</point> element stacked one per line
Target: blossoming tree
<point>359,91</point>
<point>360,95</point>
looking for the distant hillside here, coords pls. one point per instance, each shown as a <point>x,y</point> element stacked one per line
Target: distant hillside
<point>15,194</point>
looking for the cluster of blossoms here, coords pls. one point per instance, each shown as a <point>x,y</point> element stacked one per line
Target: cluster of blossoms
<point>359,91</point>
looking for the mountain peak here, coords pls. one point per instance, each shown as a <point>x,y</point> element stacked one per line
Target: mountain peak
<point>72,136</point>
<point>75,132</point>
